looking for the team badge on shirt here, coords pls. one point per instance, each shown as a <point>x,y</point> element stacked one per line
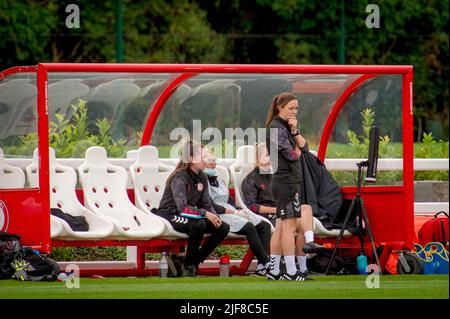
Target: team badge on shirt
<point>200,187</point>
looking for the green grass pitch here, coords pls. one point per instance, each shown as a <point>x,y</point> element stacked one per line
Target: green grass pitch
<point>323,287</point>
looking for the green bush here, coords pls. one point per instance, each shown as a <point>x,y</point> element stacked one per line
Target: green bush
<point>358,147</point>
<point>430,148</point>
<point>88,253</point>
<point>360,144</point>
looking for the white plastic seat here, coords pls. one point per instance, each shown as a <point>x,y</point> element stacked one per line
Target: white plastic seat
<point>105,193</point>
<point>322,232</point>
<point>10,176</point>
<point>223,174</point>
<point>63,181</point>
<point>56,227</point>
<point>14,177</point>
<point>149,177</point>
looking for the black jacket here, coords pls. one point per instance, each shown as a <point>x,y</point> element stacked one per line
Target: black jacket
<point>321,191</point>
<point>256,190</point>
<point>287,169</point>
<point>187,192</point>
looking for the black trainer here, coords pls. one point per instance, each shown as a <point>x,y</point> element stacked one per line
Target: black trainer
<point>271,276</point>
<point>306,274</point>
<point>260,272</point>
<point>298,276</point>
<point>189,271</point>
<point>313,248</point>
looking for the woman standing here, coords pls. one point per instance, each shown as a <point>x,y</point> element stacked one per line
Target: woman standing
<point>187,206</point>
<point>284,144</point>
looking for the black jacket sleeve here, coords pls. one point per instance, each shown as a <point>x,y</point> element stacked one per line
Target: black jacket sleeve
<point>250,194</point>
<point>178,187</point>
<point>285,148</point>
<point>219,209</point>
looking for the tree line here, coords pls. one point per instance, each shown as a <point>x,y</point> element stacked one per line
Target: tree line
<point>236,31</point>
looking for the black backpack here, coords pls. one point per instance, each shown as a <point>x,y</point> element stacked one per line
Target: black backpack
<point>10,247</point>
<point>17,262</point>
<point>31,266</point>
<point>339,266</point>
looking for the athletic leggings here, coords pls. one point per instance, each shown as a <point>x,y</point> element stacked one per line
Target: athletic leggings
<point>258,238</point>
<point>196,229</point>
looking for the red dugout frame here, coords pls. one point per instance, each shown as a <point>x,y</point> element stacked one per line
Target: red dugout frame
<point>390,208</point>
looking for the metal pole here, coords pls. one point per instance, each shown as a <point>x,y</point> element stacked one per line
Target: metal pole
<point>119,31</point>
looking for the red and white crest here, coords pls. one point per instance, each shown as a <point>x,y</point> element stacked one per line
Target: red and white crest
<point>200,187</point>
<point>4,217</point>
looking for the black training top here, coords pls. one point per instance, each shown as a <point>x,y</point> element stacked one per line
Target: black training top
<point>288,169</point>
<point>256,191</point>
<point>187,193</point>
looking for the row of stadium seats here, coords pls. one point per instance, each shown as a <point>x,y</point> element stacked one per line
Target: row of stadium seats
<point>107,207</point>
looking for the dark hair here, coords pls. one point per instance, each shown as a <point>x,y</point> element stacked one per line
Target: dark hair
<point>279,100</point>
<point>188,150</point>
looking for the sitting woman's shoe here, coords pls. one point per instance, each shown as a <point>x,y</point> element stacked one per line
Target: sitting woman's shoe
<point>312,247</point>
<point>189,271</point>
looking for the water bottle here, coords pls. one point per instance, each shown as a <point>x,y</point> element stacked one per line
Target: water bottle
<point>224,264</point>
<point>362,263</point>
<point>163,266</point>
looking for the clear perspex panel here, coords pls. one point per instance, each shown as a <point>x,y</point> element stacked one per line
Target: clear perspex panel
<point>18,129</point>
<point>378,102</point>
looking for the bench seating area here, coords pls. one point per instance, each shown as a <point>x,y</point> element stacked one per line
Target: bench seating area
<point>107,208</point>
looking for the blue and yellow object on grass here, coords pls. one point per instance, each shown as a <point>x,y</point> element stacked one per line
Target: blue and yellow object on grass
<point>434,257</point>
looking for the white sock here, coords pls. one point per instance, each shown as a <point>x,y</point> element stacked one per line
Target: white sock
<point>291,268</point>
<point>309,236</point>
<point>302,262</point>
<point>275,264</point>
<point>260,266</point>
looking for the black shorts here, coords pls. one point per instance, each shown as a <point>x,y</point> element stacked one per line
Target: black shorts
<point>288,198</point>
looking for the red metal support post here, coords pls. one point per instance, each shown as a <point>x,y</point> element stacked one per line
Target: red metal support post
<point>408,155</point>
<point>159,105</point>
<point>336,110</point>
<point>43,144</point>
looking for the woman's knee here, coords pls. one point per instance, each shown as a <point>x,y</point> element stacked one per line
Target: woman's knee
<point>263,226</point>
<point>289,225</point>
<point>198,228</point>
<point>306,209</point>
<point>224,228</point>
<point>247,229</point>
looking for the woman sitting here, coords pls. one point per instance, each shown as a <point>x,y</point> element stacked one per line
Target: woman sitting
<point>257,231</point>
<point>187,206</point>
